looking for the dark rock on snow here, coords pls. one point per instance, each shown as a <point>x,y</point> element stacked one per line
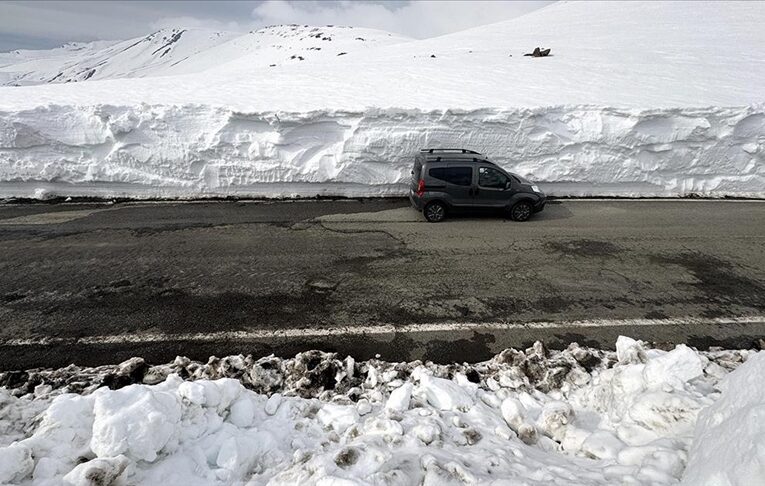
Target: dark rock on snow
<point>539,52</point>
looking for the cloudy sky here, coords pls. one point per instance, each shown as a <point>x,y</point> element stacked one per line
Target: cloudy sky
<point>45,24</point>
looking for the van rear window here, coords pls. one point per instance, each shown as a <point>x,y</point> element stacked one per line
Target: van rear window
<point>416,170</point>
<point>460,176</point>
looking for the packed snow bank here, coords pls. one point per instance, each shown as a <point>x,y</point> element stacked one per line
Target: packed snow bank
<point>729,446</point>
<point>198,151</point>
<point>580,416</point>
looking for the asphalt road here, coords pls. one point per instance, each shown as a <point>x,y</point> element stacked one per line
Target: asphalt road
<point>97,283</point>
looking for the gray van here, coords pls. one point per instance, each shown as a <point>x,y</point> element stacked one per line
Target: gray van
<point>444,180</point>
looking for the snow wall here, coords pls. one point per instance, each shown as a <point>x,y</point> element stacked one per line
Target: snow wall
<point>202,151</point>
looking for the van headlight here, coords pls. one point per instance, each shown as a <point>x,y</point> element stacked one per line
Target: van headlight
<point>535,188</point>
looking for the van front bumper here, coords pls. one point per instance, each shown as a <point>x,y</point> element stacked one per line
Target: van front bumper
<point>540,205</point>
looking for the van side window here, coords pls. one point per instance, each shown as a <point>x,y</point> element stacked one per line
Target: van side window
<point>488,177</point>
<point>460,176</point>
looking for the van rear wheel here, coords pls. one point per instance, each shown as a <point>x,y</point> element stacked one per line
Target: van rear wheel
<point>521,211</point>
<point>435,212</point>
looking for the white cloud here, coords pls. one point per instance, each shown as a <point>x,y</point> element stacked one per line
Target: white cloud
<point>187,22</point>
<point>419,19</point>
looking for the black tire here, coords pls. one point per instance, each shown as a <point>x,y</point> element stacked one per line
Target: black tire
<point>521,211</point>
<point>435,212</point>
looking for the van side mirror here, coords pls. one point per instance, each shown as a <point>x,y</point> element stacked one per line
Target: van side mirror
<point>508,184</point>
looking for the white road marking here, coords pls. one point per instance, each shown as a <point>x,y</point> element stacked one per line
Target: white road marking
<point>383,329</point>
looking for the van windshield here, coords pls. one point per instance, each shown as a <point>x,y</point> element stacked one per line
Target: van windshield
<point>523,180</point>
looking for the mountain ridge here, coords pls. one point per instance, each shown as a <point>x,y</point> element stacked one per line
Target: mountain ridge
<point>180,51</point>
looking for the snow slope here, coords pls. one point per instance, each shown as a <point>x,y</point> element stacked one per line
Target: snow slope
<point>638,98</point>
<point>40,63</point>
<point>580,417</point>
<point>619,54</point>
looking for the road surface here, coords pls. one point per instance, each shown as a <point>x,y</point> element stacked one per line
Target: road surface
<point>96,283</point>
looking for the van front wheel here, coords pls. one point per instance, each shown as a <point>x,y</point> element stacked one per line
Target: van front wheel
<point>521,211</point>
<point>435,212</point>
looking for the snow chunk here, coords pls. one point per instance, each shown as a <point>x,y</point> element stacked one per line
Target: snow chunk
<point>218,393</point>
<point>68,420</point>
<point>629,350</point>
<point>43,194</point>
<point>602,445</point>
<point>238,454</point>
<point>513,412</point>
<point>399,398</point>
<point>662,413</point>
<point>443,394</point>
<point>97,472</point>
<point>363,406</point>
<point>272,404</point>
<point>15,463</point>
<point>426,432</point>
<point>750,148</point>
<point>193,392</point>
<point>242,412</point>
<point>135,421</point>
<point>339,417</point>
<point>676,367</point>
<point>554,418</point>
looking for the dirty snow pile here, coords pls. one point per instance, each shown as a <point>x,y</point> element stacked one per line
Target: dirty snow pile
<point>576,417</point>
<point>636,99</point>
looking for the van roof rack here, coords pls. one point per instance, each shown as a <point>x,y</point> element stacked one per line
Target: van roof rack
<point>457,150</point>
<point>438,158</point>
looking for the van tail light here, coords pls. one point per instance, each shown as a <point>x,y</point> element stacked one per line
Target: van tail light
<point>421,188</point>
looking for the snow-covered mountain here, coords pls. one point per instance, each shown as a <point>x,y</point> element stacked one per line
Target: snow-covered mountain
<point>142,56</point>
<point>182,51</point>
<point>627,54</point>
<point>636,98</point>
